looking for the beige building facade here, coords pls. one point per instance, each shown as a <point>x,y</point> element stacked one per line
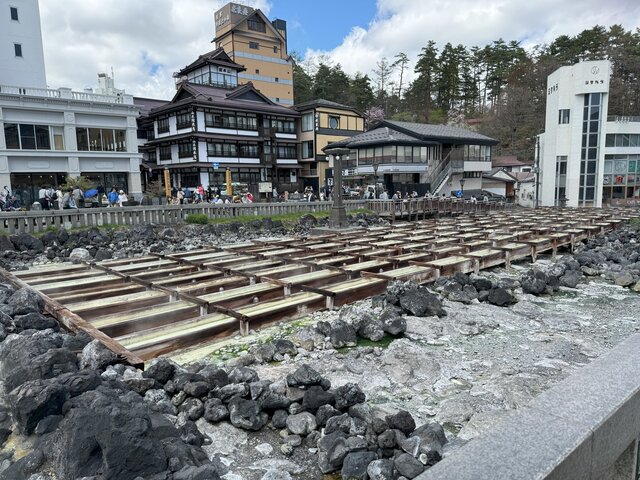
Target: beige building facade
<point>323,122</point>
<point>260,45</point>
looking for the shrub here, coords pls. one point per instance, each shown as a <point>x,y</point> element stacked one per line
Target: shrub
<point>198,218</point>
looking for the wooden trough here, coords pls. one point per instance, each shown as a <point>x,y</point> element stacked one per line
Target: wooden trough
<point>157,304</point>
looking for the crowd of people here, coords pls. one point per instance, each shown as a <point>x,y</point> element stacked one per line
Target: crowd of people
<point>51,198</point>
<point>211,194</point>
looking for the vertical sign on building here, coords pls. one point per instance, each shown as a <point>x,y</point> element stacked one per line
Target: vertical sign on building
<point>167,183</point>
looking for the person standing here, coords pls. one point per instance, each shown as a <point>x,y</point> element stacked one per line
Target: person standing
<point>122,198</point>
<point>42,197</point>
<point>113,197</point>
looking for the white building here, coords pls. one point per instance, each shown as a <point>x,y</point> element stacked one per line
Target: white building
<point>21,55</point>
<point>48,134</point>
<point>586,156</point>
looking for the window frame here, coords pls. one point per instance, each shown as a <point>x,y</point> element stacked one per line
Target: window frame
<point>336,118</point>
<point>183,120</point>
<point>254,45</point>
<point>161,125</point>
<point>13,10</point>
<point>17,50</point>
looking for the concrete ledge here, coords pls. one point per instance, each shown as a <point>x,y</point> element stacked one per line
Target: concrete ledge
<point>578,429</point>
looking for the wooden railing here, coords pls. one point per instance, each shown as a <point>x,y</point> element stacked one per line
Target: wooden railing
<point>413,208</point>
<point>31,222</point>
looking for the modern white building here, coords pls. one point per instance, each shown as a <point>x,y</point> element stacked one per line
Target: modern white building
<point>586,158</point>
<point>21,55</point>
<point>47,134</point>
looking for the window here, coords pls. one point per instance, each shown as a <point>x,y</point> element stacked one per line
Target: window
<point>163,125</point>
<point>58,138</point>
<point>14,13</point>
<point>17,48</point>
<point>248,150</point>
<point>283,126</point>
<point>246,122</point>
<point>165,152</point>
<point>254,45</point>
<point>257,71</point>
<point>183,120</point>
<point>27,137</point>
<point>307,122</point>
<point>563,116</point>
<point>275,49</point>
<point>256,25</point>
<point>307,150</point>
<point>185,150</point>
<point>100,139</point>
<point>276,79</point>
<point>219,149</point>
<point>287,151</point>
<point>220,120</point>
<point>334,122</point>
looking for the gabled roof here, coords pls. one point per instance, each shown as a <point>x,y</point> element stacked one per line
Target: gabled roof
<point>248,92</point>
<point>494,174</point>
<point>379,136</point>
<point>440,133</point>
<point>243,98</point>
<point>214,57</point>
<point>321,102</point>
<point>257,12</point>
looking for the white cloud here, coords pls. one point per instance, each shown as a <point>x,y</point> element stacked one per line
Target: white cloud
<point>407,25</point>
<point>145,41</point>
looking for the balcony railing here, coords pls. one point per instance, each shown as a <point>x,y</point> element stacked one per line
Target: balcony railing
<point>66,93</point>
<point>622,119</point>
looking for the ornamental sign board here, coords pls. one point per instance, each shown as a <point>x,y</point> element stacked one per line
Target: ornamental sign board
<point>265,187</point>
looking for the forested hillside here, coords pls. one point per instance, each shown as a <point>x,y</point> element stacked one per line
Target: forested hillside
<point>499,88</point>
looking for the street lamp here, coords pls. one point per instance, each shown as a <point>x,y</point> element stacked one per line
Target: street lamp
<point>462,187</point>
<point>338,217</point>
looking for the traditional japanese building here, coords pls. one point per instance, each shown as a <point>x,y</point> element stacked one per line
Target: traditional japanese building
<point>416,156</point>
<point>213,124</point>
<point>251,39</point>
<point>322,122</point>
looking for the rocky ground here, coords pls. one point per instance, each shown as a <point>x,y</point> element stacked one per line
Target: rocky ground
<point>23,250</point>
<point>379,389</point>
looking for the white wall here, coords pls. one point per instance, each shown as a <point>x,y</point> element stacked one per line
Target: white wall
<point>566,88</point>
<point>28,70</point>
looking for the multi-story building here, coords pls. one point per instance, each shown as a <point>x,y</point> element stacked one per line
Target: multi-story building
<point>250,39</point>
<point>47,134</point>
<point>322,122</point>
<point>21,53</point>
<point>212,125</point>
<point>415,156</point>
<point>586,157</point>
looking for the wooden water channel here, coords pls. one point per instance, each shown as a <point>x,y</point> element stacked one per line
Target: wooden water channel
<point>158,304</point>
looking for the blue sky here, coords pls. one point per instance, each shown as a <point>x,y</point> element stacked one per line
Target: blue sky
<point>321,25</point>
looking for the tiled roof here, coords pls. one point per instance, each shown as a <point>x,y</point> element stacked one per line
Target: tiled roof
<point>217,57</point>
<point>220,98</point>
<point>379,136</point>
<point>146,104</point>
<point>443,133</point>
<point>321,102</point>
<point>508,161</point>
